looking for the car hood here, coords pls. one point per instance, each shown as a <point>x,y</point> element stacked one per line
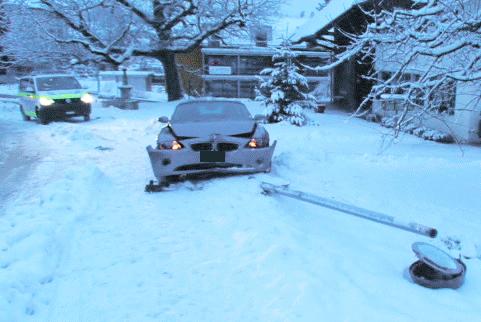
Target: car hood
<point>202,129</point>
<point>50,93</point>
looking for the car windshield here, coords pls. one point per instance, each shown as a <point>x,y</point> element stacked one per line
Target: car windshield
<point>210,111</point>
<point>57,83</point>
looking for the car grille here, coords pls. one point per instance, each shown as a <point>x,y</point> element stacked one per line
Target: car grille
<point>201,146</point>
<point>209,146</point>
<point>227,146</point>
<point>207,166</point>
<point>64,100</point>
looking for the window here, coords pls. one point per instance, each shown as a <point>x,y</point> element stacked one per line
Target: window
<point>253,65</point>
<point>26,85</point>
<point>385,76</point>
<point>262,35</point>
<point>57,83</point>
<point>248,89</point>
<point>4,63</point>
<point>210,111</point>
<point>443,98</point>
<point>221,65</point>
<point>221,88</point>
<point>261,38</point>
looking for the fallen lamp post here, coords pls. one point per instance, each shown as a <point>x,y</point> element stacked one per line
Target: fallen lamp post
<point>413,227</point>
<point>434,269</point>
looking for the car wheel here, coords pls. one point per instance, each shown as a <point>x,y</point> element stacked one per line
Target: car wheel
<point>25,117</point>
<point>269,168</point>
<point>164,181</point>
<point>87,117</point>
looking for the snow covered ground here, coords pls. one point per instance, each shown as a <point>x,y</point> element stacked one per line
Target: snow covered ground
<point>82,241</point>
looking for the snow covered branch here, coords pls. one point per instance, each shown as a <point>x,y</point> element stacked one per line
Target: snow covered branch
<point>421,54</point>
<point>154,28</point>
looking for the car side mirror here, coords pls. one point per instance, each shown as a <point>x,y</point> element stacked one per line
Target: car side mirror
<point>163,119</point>
<point>259,118</point>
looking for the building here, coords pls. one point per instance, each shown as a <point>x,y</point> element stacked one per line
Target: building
<point>234,72</point>
<point>231,67</point>
<point>460,117</point>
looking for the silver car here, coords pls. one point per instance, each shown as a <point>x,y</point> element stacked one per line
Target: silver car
<point>210,136</point>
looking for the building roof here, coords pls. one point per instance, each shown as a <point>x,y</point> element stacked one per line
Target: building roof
<point>324,18</point>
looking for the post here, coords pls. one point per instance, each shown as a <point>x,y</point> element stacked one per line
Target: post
<point>125,79</point>
<point>125,88</point>
<point>98,81</point>
<point>351,210</point>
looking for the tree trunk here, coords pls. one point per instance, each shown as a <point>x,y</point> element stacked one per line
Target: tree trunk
<point>172,79</point>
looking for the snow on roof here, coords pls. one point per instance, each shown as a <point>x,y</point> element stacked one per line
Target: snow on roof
<point>333,10</point>
<point>129,73</point>
<point>51,75</point>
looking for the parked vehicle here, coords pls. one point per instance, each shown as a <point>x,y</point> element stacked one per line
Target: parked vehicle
<point>210,136</point>
<point>49,97</point>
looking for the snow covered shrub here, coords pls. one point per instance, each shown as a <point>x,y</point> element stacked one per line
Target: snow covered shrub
<point>419,131</point>
<point>284,91</point>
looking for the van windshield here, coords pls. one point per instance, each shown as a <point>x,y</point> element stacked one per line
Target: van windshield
<point>57,83</point>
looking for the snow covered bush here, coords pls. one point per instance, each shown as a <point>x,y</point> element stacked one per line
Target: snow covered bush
<point>284,91</point>
<point>419,130</point>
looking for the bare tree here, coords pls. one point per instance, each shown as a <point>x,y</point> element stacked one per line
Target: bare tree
<point>26,42</point>
<point>4,24</point>
<point>430,48</point>
<point>116,30</point>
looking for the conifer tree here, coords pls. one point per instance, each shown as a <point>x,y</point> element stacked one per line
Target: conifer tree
<point>284,91</point>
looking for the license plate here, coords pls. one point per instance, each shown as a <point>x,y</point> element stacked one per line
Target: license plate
<point>212,156</point>
<point>70,113</point>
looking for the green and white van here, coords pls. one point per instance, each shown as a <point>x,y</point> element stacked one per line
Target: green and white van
<point>49,97</point>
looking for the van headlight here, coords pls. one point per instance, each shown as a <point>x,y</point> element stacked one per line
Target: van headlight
<point>87,98</point>
<point>46,101</point>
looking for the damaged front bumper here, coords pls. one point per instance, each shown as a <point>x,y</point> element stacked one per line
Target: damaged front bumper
<point>183,162</point>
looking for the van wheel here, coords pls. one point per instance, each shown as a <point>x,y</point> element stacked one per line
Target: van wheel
<point>25,117</point>
<point>87,117</point>
<point>42,118</point>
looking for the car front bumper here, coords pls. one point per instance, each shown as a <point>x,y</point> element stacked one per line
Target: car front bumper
<point>58,110</point>
<point>168,162</point>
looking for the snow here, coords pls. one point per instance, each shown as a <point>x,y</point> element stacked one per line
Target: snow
<point>82,241</point>
<point>322,18</point>
<point>292,16</point>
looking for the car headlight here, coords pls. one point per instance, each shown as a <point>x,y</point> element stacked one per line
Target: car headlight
<point>252,143</point>
<point>46,101</point>
<point>87,98</point>
<point>170,145</point>
<point>260,139</point>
